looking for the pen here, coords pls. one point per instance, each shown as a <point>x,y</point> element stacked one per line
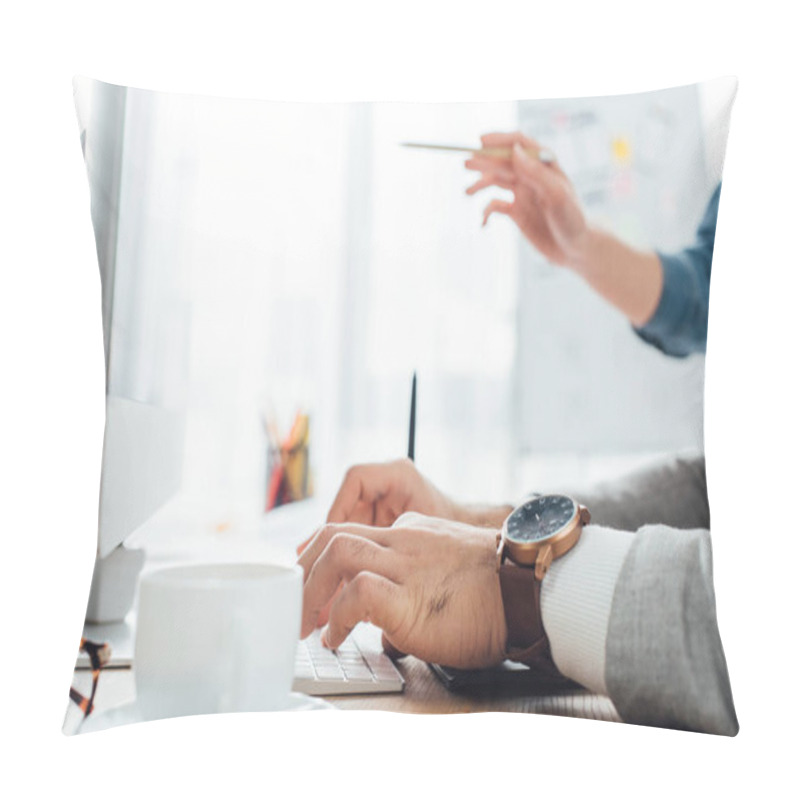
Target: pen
<point>412,421</point>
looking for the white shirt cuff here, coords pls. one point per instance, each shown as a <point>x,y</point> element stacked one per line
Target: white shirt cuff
<point>576,598</point>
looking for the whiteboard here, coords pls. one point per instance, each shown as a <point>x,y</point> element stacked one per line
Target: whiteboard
<point>584,380</point>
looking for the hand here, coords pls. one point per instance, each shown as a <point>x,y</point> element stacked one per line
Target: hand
<point>545,206</point>
<point>377,494</point>
<point>430,584</point>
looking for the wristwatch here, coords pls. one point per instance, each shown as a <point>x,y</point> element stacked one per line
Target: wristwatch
<point>534,534</point>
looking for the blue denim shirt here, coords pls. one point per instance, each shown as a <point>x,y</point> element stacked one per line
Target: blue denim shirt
<point>680,322</point>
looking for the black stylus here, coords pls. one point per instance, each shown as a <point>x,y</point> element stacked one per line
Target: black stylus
<point>412,420</point>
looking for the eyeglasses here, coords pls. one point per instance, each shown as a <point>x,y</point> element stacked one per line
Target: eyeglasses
<point>99,655</point>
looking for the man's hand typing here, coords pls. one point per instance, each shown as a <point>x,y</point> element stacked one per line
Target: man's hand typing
<point>430,584</point>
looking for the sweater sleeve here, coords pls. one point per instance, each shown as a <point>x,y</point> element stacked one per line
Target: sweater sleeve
<point>664,659</point>
<point>633,616</point>
<point>576,599</point>
<point>671,491</point>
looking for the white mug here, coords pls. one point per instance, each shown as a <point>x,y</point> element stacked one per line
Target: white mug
<point>216,638</point>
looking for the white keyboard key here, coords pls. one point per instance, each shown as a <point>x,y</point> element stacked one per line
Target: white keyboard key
<point>376,661</point>
<point>329,672</point>
<point>358,672</point>
<point>351,661</point>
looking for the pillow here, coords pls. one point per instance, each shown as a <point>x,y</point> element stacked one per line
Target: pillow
<point>421,383</point>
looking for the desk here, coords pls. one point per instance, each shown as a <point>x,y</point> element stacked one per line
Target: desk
<point>424,694</point>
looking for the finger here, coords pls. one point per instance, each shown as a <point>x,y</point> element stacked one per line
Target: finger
<point>484,163</point>
<point>539,177</point>
<point>328,531</point>
<point>491,164</point>
<point>412,519</point>
<point>385,514</point>
<point>363,513</point>
<point>362,487</point>
<point>367,598</point>
<point>343,558</point>
<point>305,543</point>
<point>323,615</point>
<point>532,148</point>
<point>348,495</point>
<point>496,207</point>
<point>491,179</point>
<point>508,140</point>
<point>480,164</point>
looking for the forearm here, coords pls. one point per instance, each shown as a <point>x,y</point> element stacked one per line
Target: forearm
<point>627,278</point>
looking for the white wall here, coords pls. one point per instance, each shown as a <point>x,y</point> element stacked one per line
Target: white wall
<point>325,264</point>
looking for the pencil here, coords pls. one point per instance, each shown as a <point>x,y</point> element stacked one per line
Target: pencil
<point>504,153</point>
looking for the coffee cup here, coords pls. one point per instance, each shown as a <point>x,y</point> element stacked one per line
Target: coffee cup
<point>216,638</point>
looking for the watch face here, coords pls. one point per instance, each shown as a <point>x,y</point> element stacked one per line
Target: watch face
<point>540,518</point>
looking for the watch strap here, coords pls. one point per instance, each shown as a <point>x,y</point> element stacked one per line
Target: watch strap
<point>527,640</point>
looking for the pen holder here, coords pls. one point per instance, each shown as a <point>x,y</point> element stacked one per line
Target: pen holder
<point>288,471</point>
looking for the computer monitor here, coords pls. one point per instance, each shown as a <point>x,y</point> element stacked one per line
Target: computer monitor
<point>145,309</point>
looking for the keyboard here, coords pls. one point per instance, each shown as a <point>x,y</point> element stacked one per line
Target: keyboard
<point>358,666</point>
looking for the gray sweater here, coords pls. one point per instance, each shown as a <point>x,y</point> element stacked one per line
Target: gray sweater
<point>664,662</point>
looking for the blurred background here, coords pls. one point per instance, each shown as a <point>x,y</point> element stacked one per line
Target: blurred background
<point>295,258</point>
